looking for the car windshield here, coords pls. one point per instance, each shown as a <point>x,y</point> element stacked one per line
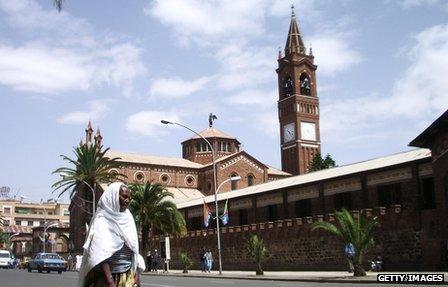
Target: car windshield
<point>50,256</point>
<point>4,255</point>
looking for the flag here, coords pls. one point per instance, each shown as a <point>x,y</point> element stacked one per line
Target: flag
<point>225,214</point>
<point>207,214</point>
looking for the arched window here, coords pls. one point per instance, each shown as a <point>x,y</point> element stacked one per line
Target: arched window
<point>305,85</point>
<point>234,182</point>
<point>288,87</point>
<point>250,180</point>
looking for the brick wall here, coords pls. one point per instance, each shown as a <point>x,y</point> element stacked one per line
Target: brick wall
<point>292,245</point>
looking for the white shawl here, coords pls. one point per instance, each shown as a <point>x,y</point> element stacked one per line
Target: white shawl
<point>109,230</point>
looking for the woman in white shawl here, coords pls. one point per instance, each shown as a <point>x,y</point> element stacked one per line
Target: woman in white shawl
<point>111,253</point>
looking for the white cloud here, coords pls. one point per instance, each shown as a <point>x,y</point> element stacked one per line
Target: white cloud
<point>97,110</point>
<point>175,88</point>
<point>333,52</point>
<point>68,57</point>
<point>202,20</point>
<point>255,99</point>
<point>418,96</point>
<point>147,123</point>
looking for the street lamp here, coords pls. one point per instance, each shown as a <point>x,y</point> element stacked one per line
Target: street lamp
<point>93,196</point>
<point>232,178</point>
<point>45,218</point>
<point>214,185</point>
<point>45,233</point>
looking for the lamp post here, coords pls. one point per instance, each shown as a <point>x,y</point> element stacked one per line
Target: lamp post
<point>93,196</point>
<point>214,185</point>
<point>45,232</point>
<point>232,178</point>
<point>45,219</point>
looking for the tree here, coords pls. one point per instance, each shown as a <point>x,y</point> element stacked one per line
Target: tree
<point>257,251</point>
<point>90,168</point>
<point>5,239</point>
<point>358,232</point>
<point>318,163</point>
<point>152,208</point>
<point>185,261</point>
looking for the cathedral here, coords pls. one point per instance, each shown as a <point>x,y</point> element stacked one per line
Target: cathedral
<point>407,191</point>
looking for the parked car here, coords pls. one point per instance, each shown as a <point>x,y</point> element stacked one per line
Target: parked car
<point>5,258</point>
<point>47,262</point>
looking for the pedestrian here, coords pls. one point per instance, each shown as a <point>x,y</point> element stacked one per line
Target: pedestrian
<point>209,260</point>
<point>155,260</point>
<point>149,257</point>
<point>350,254</point>
<point>111,252</point>
<point>202,259</point>
<point>69,262</point>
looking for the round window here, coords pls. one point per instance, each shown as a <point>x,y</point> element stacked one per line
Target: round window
<point>189,180</point>
<point>139,176</point>
<point>165,178</point>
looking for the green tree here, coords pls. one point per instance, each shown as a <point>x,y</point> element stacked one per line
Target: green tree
<point>358,232</point>
<point>319,163</point>
<point>91,167</point>
<point>185,261</point>
<point>257,251</point>
<point>152,208</point>
<point>4,239</point>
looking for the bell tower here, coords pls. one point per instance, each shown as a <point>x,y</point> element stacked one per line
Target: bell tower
<point>298,104</point>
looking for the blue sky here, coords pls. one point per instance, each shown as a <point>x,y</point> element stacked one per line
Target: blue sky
<point>381,76</point>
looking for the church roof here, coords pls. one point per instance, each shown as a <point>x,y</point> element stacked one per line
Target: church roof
<point>294,42</point>
<point>373,164</point>
<point>275,171</point>
<point>213,133</point>
<point>184,194</point>
<point>426,138</point>
<point>155,160</point>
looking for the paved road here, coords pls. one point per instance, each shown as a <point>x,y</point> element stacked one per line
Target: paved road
<point>13,278</point>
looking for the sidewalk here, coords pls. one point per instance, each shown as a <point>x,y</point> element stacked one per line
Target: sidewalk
<point>304,276</point>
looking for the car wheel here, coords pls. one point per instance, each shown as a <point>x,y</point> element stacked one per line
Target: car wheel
<point>39,269</point>
<point>48,271</point>
<point>59,271</point>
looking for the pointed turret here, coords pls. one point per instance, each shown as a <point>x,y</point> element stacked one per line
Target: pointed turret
<point>89,133</point>
<point>98,137</point>
<point>294,42</point>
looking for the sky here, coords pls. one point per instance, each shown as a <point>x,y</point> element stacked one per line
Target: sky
<point>125,65</point>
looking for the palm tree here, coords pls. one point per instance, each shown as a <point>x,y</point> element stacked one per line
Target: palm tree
<point>358,232</point>
<point>152,208</point>
<point>91,168</point>
<point>258,252</point>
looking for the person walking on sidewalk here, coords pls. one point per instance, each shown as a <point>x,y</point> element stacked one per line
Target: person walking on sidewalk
<point>149,260</point>
<point>202,259</point>
<point>155,260</point>
<point>350,254</point>
<point>209,260</point>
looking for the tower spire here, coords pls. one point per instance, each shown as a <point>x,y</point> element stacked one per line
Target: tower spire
<point>294,42</point>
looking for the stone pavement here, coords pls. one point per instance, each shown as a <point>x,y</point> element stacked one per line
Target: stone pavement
<point>304,276</point>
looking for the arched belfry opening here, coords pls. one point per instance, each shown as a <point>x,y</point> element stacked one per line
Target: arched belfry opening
<point>288,87</point>
<point>305,84</point>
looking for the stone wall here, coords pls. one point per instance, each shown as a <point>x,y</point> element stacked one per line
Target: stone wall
<point>292,245</point>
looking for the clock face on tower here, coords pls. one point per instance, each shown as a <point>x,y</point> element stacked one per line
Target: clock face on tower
<point>308,131</point>
<point>289,132</point>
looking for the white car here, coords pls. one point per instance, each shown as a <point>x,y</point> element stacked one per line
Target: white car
<point>5,258</point>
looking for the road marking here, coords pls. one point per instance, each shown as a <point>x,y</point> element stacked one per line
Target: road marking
<point>222,281</point>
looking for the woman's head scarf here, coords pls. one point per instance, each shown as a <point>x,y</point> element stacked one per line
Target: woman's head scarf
<point>109,230</point>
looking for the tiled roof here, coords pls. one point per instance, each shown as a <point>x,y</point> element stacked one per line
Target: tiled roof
<point>316,176</point>
<point>275,171</point>
<point>12,229</point>
<point>154,160</point>
<point>184,194</point>
<point>211,133</point>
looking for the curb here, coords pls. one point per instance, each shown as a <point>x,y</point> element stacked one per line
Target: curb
<point>269,278</point>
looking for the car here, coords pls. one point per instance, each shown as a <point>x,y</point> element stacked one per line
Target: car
<point>5,258</point>
<point>47,262</point>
